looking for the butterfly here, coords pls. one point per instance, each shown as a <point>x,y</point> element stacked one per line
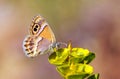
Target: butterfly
<point>41,38</point>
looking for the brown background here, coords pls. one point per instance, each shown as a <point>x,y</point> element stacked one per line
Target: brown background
<point>89,24</point>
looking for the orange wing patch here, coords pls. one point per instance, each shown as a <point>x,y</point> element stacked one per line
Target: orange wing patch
<point>47,34</point>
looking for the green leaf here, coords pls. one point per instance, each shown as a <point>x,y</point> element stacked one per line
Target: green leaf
<point>88,58</point>
<point>94,76</point>
<point>88,69</point>
<point>77,76</point>
<point>81,68</point>
<point>59,56</point>
<point>79,52</point>
<point>63,70</point>
<point>75,60</point>
<point>80,55</point>
<point>75,69</point>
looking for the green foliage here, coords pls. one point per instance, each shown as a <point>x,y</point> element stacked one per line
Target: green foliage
<point>73,63</point>
<point>94,76</point>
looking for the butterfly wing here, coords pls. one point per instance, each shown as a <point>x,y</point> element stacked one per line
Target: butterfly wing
<point>30,45</point>
<point>40,39</point>
<point>40,27</point>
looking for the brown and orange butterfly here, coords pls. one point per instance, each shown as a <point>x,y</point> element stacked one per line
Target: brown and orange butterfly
<point>41,39</point>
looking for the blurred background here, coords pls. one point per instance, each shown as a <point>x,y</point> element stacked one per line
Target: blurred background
<point>91,24</point>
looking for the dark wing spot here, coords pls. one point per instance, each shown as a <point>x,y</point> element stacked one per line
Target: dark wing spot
<point>36,26</point>
<point>35,29</point>
<point>31,44</point>
<point>32,52</point>
<point>26,49</point>
<point>25,45</point>
<point>28,53</point>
